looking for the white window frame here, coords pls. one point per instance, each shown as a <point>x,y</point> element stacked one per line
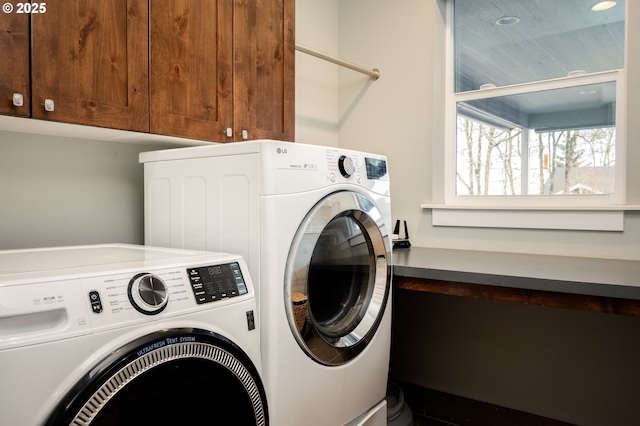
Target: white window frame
<point>584,212</point>
<point>616,198</point>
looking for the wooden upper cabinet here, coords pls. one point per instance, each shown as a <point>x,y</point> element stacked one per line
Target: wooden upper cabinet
<point>217,70</point>
<point>14,57</point>
<point>90,63</point>
<point>191,70</point>
<point>264,70</point>
<point>221,67</point>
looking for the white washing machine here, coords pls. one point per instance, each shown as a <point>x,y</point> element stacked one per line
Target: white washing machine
<point>128,335</point>
<point>314,225</point>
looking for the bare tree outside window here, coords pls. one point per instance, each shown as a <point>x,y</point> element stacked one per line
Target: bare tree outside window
<point>563,162</point>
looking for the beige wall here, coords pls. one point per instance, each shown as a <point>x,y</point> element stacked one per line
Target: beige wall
<point>61,191</point>
<point>573,366</point>
<point>316,79</point>
<point>400,115</point>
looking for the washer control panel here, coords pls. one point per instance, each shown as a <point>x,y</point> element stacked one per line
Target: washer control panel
<point>167,291</point>
<point>217,282</point>
<point>58,293</point>
<point>73,306</point>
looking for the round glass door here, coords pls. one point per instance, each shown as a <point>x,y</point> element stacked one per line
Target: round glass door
<point>337,277</point>
<point>175,377</point>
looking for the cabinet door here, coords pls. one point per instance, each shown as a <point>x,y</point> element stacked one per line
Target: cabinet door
<point>191,81</point>
<point>90,58</point>
<point>14,57</point>
<point>264,80</point>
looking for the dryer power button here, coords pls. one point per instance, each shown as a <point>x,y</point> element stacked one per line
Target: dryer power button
<point>148,293</point>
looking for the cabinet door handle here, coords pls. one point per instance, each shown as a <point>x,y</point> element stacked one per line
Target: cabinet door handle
<point>245,135</point>
<point>229,132</point>
<point>49,105</point>
<point>18,99</point>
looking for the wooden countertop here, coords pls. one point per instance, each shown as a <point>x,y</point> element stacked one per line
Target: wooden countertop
<point>597,285</point>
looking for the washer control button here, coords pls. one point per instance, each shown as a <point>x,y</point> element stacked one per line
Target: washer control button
<point>94,299</point>
<point>148,293</point>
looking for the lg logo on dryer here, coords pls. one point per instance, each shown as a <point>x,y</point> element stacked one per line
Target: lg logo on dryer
<point>281,150</point>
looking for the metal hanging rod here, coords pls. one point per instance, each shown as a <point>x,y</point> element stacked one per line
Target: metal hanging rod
<point>373,73</point>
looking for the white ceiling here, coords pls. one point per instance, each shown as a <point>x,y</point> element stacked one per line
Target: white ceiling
<point>552,38</point>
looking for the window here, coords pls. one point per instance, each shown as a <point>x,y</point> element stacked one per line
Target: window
<point>535,113</point>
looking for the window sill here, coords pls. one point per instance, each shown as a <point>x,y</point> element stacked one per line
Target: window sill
<point>578,218</point>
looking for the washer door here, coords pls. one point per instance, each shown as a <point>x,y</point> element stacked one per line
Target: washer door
<point>185,376</point>
<point>337,277</point>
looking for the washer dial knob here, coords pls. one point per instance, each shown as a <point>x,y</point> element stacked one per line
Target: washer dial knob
<point>148,293</point>
<point>346,166</point>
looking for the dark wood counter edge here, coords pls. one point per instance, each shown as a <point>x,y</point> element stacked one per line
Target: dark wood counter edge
<point>522,282</point>
<point>582,302</point>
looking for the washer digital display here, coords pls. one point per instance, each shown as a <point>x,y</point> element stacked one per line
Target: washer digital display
<point>217,282</point>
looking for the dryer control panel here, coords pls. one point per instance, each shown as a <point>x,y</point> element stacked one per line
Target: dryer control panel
<point>296,168</point>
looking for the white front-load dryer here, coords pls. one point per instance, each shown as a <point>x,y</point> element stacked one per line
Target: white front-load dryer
<point>313,223</point>
<point>128,335</point>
